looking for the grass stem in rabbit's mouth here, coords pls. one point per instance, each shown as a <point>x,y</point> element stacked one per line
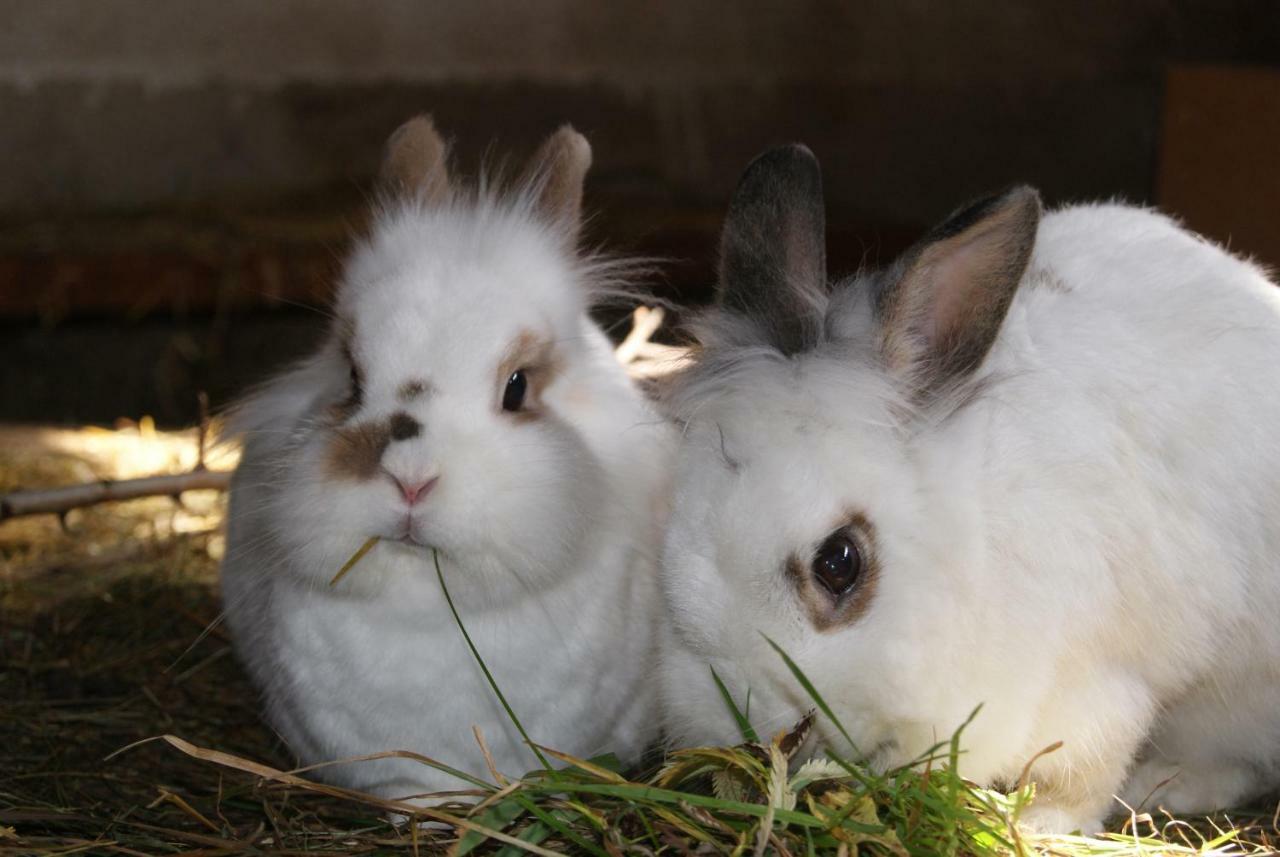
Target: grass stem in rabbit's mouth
<point>355,558</point>
<point>493,684</point>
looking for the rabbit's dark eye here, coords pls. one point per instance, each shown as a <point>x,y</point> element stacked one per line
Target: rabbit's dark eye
<point>357,388</point>
<point>837,564</point>
<point>513,395</point>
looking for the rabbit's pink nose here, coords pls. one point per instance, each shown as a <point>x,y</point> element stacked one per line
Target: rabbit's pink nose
<point>415,491</point>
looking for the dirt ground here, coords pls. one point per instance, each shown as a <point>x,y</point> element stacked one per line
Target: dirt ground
<point>107,638</point>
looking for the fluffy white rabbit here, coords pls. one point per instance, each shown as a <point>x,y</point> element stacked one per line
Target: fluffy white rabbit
<point>1031,465</point>
<point>463,401</point>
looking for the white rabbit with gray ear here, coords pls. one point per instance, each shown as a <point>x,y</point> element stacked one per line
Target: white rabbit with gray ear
<point>1033,465</point>
<point>463,403</point>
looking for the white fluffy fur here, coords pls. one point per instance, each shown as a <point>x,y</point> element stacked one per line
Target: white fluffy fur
<point>1088,549</point>
<point>547,529</point>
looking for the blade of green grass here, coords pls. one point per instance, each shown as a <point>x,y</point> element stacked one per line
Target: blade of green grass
<point>497,817</point>
<point>533,834</point>
<point>639,793</point>
<point>603,774</point>
<point>744,725</point>
<point>435,556</point>
<point>813,693</point>
<point>552,820</point>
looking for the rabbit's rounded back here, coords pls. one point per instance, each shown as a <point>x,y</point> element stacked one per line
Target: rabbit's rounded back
<point>958,481</point>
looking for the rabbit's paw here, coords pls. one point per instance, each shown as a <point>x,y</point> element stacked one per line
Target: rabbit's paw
<point>1050,818</point>
<point>1157,783</point>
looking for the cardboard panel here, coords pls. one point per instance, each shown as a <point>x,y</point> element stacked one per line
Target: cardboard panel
<point>1219,162</point>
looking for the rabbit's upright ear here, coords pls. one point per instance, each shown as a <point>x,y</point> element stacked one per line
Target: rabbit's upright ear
<point>416,162</point>
<point>773,261</point>
<point>943,304</point>
<point>556,175</point>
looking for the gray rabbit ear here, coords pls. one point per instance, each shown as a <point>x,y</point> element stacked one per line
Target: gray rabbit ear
<point>557,174</point>
<point>773,259</point>
<point>416,162</point>
<point>943,303</point>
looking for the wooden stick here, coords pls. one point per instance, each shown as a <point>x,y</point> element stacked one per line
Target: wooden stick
<point>644,358</point>
<point>59,501</point>
<point>202,437</point>
<point>645,322</point>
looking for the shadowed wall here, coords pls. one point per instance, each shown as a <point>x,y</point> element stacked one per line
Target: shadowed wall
<point>175,177</point>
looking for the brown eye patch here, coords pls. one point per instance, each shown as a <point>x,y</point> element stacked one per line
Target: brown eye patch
<point>534,361</point>
<point>831,600</point>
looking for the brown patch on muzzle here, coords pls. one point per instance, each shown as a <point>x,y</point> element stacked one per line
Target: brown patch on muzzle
<point>355,452</point>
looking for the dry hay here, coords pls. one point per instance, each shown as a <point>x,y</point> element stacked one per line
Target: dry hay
<point>103,643</point>
<point>108,637</point>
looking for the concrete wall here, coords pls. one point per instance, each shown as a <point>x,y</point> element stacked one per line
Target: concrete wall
<point>912,104</point>
<point>178,177</point>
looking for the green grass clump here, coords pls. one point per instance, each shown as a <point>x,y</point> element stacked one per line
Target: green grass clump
<point>756,797</point>
<point>109,636</point>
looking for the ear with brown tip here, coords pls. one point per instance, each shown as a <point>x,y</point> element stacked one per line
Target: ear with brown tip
<point>416,162</point>
<point>944,305</point>
<point>556,174</point>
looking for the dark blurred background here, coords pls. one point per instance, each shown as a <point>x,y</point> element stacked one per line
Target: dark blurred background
<point>178,179</point>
